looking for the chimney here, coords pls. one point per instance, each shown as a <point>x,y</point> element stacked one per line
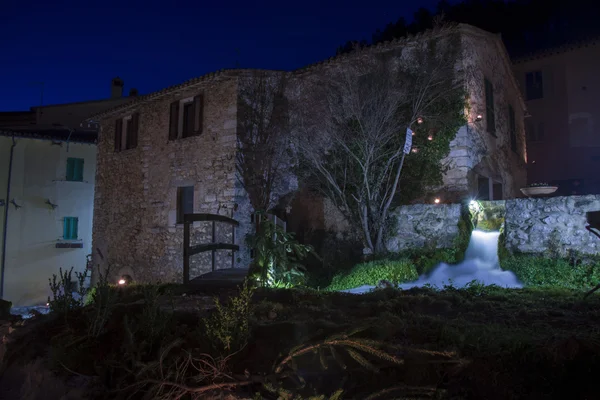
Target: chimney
<point>133,92</point>
<point>116,88</point>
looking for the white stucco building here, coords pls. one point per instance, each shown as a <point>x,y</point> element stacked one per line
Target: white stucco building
<point>49,212</point>
<point>47,178</point>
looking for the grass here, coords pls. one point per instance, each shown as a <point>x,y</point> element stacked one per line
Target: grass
<point>473,343</point>
<point>371,273</point>
<point>531,270</point>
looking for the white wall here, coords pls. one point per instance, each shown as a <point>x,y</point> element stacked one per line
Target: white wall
<point>39,173</point>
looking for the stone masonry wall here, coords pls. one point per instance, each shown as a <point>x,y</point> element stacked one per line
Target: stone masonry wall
<point>135,228</point>
<point>424,225</point>
<point>533,225</point>
<point>475,151</point>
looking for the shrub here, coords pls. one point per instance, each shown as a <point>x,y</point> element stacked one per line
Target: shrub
<point>541,271</point>
<point>62,289</point>
<point>371,273</point>
<point>228,327</point>
<point>277,255</point>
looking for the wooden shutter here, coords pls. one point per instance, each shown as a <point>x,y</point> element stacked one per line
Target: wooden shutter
<point>118,134</point>
<point>174,120</point>
<point>70,169</point>
<point>135,126</point>
<point>74,227</point>
<point>198,114</point>
<point>78,175</point>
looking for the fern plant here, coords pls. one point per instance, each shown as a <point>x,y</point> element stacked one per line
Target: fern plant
<point>277,255</point>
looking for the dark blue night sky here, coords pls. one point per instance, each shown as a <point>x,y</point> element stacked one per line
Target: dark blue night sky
<point>77,47</point>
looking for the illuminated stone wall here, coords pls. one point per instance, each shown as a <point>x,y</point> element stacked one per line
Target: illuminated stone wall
<point>424,225</point>
<point>532,225</point>
<point>542,224</point>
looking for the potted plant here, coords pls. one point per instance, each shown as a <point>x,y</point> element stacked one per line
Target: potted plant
<point>538,189</point>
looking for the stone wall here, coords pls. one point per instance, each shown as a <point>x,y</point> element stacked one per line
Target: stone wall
<point>424,225</point>
<point>475,151</point>
<point>135,227</point>
<point>532,225</point>
<point>535,225</point>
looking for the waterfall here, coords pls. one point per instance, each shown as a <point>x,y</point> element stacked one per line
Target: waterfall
<point>480,264</point>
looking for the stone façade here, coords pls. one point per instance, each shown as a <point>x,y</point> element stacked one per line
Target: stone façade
<point>135,231</point>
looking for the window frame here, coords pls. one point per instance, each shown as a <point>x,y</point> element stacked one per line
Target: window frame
<point>177,120</point>
<point>127,132</point>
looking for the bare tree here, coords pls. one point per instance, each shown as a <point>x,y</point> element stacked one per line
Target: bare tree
<point>352,121</point>
<point>262,161</point>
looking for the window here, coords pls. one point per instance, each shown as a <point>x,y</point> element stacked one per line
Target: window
<point>512,127</point>
<point>497,191</point>
<point>186,117</point>
<point>185,202</point>
<point>535,132</point>
<point>70,228</point>
<point>130,138</point>
<point>75,169</point>
<point>483,188</point>
<point>490,116</point>
<point>534,87</point>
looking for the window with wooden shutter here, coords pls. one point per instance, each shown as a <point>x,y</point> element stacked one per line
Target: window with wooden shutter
<point>512,126</point>
<point>70,227</point>
<point>75,169</point>
<point>198,114</point>
<point>185,202</point>
<point>489,107</point>
<point>128,130</point>
<point>135,127</point>
<point>174,121</point>
<point>118,134</point>
<point>188,119</point>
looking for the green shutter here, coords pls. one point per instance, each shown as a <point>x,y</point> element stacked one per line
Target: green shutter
<point>74,226</point>
<point>66,228</point>
<point>79,169</point>
<point>70,228</point>
<point>75,169</point>
<point>70,168</point>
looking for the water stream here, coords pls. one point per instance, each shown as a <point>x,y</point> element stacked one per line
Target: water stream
<point>481,264</point>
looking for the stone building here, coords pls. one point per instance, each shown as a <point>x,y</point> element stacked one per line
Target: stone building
<point>562,91</point>
<point>174,152</point>
<point>47,173</point>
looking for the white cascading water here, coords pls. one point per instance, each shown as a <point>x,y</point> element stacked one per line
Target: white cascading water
<point>481,264</point>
